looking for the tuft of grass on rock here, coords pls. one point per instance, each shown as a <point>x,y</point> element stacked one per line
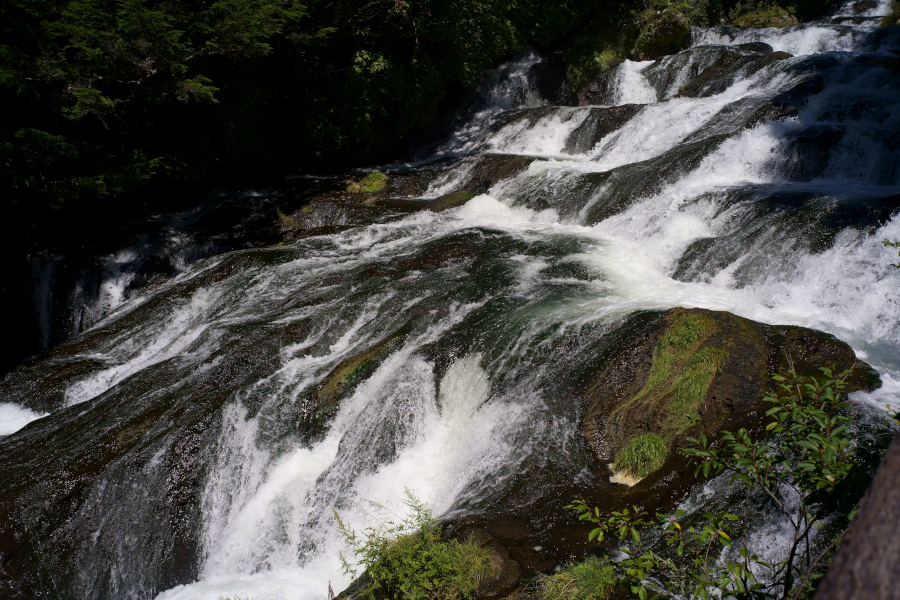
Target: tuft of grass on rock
<point>682,370</point>
<point>371,183</point>
<point>592,579</point>
<point>642,455</point>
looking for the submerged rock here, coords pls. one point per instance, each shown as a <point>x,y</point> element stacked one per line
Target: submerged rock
<point>342,380</point>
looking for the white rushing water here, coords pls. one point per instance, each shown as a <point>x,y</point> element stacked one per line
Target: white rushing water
<point>269,531</point>
<point>718,202</point>
<point>14,418</point>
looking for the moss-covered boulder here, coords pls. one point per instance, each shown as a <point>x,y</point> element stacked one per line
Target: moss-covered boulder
<point>771,17</point>
<point>660,32</point>
<point>688,371</point>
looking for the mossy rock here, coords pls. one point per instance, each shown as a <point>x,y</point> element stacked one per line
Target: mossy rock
<point>687,371</point>
<point>660,33</point>
<point>370,184</point>
<point>773,17</point>
<point>342,380</point>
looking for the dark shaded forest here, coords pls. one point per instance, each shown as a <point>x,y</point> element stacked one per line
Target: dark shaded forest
<point>113,106</point>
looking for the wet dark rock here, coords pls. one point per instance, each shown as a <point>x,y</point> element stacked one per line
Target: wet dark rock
<point>809,152</point>
<point>494,168</point>
<point>799,95</point>
<point>863,5</point>
<point>733,63</point>
<point>341,381</point>
<point>448,201</point>
<point>759,47</point>
<point>598,90</point>
<point>807,220</point>
<point>75,486</point>
<point>597,125</point>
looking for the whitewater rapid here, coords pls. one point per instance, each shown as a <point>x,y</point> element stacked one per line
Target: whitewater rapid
<point>268,531</point>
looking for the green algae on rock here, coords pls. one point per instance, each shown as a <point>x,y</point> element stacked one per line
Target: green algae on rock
<point>344,378</point>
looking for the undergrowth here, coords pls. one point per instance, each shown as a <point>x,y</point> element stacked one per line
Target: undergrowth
<point>407,560</point>
<point>592,579</point>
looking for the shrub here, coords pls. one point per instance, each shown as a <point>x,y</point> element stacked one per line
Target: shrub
<point>806,471</point>
<point>408,560</point>
<point>893,18</point>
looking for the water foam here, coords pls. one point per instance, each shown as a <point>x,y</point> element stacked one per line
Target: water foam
<point>14,417</point>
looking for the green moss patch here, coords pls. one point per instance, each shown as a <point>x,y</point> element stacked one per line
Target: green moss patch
<point>588,580</point>
<point>371,183</point>
<point>682,370</point>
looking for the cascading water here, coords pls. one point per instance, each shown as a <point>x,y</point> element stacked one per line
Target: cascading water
<point>730,176</point>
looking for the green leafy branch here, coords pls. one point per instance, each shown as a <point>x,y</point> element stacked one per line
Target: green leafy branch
<point>810,457</point>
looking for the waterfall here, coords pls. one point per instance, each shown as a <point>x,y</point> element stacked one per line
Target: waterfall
<point>731,176</point>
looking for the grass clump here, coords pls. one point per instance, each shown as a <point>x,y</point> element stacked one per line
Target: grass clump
<point>682,370</point>
<point>592,579</point>
<point>371,183</point>
<point>407,560</point>
<point>286,221</point>
<point>641,455</point>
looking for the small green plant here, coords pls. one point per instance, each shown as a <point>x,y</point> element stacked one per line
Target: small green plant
<point>890,244</point>
<point>286,220</point>
<point>592,579</point>
<point>371,183</point>
<point>641,456</point>
<point>406,560</point>
<point>801,471</point>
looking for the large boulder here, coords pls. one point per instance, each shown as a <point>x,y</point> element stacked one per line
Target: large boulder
<point>691,371</point>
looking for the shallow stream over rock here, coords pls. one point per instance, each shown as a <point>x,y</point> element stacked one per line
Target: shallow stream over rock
<point>201,435</point>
